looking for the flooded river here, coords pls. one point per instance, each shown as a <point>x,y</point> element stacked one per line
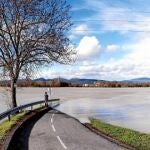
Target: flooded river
<point>127,107</point>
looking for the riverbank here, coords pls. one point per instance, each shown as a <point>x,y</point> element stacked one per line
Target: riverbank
<point>124,106</point>
<point>131,138</point>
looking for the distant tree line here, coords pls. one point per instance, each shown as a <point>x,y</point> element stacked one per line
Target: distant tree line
<point>32,83</point>
<point>58,83</point>
<point>116,84</point>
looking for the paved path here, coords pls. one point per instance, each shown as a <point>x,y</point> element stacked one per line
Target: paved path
<point>57,131</point>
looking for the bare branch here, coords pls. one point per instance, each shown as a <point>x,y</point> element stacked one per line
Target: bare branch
<point>33,33</point>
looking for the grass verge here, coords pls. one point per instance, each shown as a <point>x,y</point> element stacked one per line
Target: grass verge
<point>7,125</point>
<point>138,140</point>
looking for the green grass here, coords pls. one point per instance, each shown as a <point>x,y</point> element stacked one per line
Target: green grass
<point>7,125</point>
<point>133,138</point>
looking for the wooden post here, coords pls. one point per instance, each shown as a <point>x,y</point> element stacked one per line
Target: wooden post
<point>9,117</point>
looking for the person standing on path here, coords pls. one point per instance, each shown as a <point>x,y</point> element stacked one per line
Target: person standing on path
<point>46,99</point>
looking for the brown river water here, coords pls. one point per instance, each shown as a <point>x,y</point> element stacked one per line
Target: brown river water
<point>126,107</point>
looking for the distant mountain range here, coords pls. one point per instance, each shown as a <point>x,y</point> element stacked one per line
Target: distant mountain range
<point>72,81</point>
<point>138,80</point>
<point>91,81</point>
<point>75,81</point>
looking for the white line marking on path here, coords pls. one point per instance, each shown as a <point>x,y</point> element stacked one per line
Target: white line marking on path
<point>52,118</point>
<point>61,142</point>
<point>52,123</point>
<point>53,128</point>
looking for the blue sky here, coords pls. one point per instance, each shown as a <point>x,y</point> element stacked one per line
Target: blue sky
<point>112,40</point>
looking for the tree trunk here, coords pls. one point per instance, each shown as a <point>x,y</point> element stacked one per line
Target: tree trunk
<point>13,93</point>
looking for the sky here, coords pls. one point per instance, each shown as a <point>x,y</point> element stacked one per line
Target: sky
<point>111,38</point>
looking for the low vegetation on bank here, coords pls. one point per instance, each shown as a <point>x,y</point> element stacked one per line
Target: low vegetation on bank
<point>139,141</point>
<point>7,125</point>
<point>59,83</point>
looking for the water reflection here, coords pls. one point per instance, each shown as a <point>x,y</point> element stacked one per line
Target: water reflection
<point>135,116</point>
<point>108,115</point>
<point>128,107</point>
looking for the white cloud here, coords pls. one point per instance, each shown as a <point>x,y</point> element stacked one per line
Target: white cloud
<point>119,17</point>
<point>132,65</point>
<point>82,29</point>
<point>112,48</point>
<point>88,47</point>
<point>128,22</point>
<point>136,59</point>
<point>141,50</point>
<point>135,63</point>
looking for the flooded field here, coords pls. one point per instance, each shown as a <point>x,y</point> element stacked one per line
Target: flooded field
<point>127,107</point>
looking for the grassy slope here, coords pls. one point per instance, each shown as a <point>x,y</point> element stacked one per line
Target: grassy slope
<point>7,125</point>
<point>136,139</point>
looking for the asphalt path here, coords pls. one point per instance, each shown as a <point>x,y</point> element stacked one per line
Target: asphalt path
<point>57,131</point>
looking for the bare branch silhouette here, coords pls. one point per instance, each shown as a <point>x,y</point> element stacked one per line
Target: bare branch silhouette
<point>32,33</point>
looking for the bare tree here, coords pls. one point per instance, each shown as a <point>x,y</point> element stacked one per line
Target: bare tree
<point>32,33</point>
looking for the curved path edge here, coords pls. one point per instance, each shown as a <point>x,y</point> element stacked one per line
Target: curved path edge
<point>37,115</point>
<point>111,139</point>
<point>96,131</point>
<point>4,143</point>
